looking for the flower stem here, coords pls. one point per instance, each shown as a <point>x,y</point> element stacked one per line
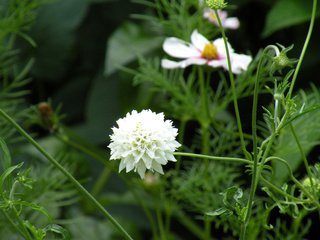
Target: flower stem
<point>195,155</point>
<point>305,161</point>
<point>101,182</point>
<point>233,88</point>
<point>67,174</point>
<point>205,116</point>
<point>182,128</point>
<point>13,224</point>
<point>207,228</point>
<point>304,49</point>
<point>303,189</point>
<point>255,148</point>
<point>21,224</point>
<point>84,149</point>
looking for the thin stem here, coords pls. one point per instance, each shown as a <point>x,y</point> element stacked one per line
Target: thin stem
<point>234,94</point>
<point>279,190</point>
<point>101,159</point>
<point>160,224</point>
<point>189,224</point>
<point>20,222</point>
<point>82,148</point>
<point>207,228</point>
<point>205,116</point>
<point>195,155</point>
<point>303,189</point>
<point>304,49</point>
<point>12,223</point>
<point>305,161</point>
<point>101,182</point>
<point>67,174</point>
<point>182,128</point>
<point>255,147</point>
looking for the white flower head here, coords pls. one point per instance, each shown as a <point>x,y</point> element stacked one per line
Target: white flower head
<point>143,141</point>
<point>226,22</point>
<point>203,52</point>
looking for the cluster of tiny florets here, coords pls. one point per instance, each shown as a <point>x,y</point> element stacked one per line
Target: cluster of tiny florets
<point>143,141</point>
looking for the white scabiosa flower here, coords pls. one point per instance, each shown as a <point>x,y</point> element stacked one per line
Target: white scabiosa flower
<point>203,52</point>
<point>143,141</point>
<point>227,22</point>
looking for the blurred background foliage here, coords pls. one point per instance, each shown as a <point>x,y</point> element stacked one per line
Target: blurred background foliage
<point>82,43</point>
<point>74,52</point>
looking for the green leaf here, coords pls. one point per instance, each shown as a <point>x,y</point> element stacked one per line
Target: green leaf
<point>127,43</point>
<point>287,13</point>
<point>7,174</point>
<point>307,128</point>
<point>54,32</point>
<point>6,157</point>
<point>58,230</point>
<point>219,211</point>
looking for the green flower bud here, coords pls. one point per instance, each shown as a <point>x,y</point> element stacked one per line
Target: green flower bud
<point>281,60</point>
<point>307,183</point>
<point>216,4</point>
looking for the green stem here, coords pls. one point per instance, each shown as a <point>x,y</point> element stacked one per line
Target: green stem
<point>12,223</point>
<point>303,189</point>
<point>182,128</point>
<point>21,224</point>
<point>305,161</point>
<point>67,174</point>
<point>101,182</point>
<point>207,228</point>
<point>255,146</point>
<point>101,159</point>
<point>233,88</point>
<point>84,149</point>
<point>205,116</point>
<point>279,190</point>
<point>195,155</point>
<point>304,49</point>
<point>160,224</point>
<point>189,224</point>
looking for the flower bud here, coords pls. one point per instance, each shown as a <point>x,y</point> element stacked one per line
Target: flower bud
<point>216,4</point>
<point>281,60</point>
<point>315,182</point>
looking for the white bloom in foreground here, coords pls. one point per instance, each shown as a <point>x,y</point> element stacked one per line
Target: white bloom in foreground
<point>143,141</point>
<point>203,52</point>
<point>231,22</point>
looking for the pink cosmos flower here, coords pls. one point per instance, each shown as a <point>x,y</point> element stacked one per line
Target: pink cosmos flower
<point>203,52</point>
<point>231,23</point>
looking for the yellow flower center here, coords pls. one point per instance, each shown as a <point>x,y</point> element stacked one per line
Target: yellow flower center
<point>213,17</point>
<point>210,51</point>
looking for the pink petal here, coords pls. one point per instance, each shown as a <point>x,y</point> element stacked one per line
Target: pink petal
<point>231,23</point>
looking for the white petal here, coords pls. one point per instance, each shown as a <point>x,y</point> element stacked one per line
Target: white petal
<point>147,161</point>
<point>122,165</point>
<point>141,169</point>
<point>240,63</point>
<point>198,40</point>
<point>165,63</point>
<point>231,23</point>
<point>156,166</point>
<point>222,15</point>
<point>219,44</point>
<point>219,63</point>
<point>180,49</point>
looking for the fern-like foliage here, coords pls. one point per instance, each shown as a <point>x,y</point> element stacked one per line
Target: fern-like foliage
<point>306,123</point>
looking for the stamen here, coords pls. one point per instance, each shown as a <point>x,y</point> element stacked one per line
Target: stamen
<point>210,51</point>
